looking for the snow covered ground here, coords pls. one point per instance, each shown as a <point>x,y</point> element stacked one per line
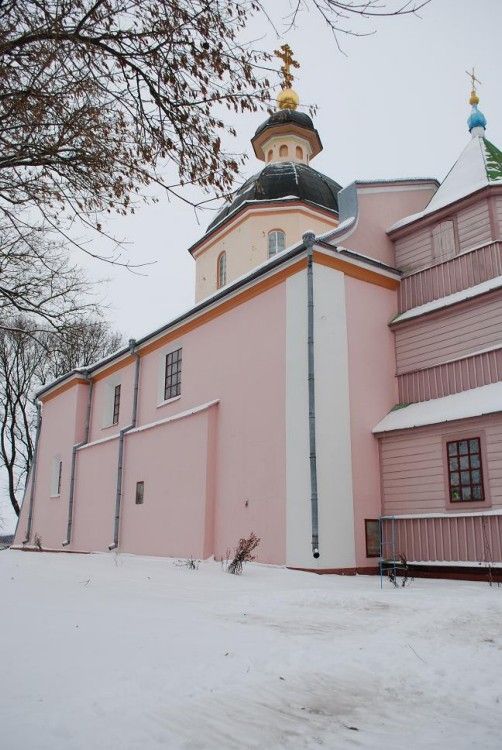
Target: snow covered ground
<point>113,651</point>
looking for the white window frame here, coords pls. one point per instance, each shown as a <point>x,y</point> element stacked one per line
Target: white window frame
<point>274,246</point>
<point>161,374</point>
<point>109,399</point>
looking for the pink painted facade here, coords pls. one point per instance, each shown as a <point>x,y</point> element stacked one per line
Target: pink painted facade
<point>407,312</point>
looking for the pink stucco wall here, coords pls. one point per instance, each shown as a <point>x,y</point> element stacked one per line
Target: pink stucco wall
<point>238,358</point>
<point>98,430</point>
<point>94,499</point>
<point>63,427</point>
<point>380,206</point>
<point>174,462</point>
<point>373,392</point>
<point>211,477</point>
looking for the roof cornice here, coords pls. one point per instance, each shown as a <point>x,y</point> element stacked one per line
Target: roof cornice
<point>238,215</point>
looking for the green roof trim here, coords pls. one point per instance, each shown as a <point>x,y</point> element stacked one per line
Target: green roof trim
<point>493,161</point>
<point>396,407</point>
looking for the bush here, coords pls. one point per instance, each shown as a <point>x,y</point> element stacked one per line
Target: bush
<point>243,553</point>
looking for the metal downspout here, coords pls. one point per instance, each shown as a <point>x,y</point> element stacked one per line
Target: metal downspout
<point>120,467</point>
<point>75,448</point>
<point>33,473</point>
<point>309,239</point>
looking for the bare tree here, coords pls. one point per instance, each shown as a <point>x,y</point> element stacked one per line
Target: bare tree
<point>82,343</point>
<point>29,358</point>
<point>100,98</point>
<point>37,278</point>
<point>20,358</point>
<point>340,15</point>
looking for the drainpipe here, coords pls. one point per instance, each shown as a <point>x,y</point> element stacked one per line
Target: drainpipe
<point>309,239</point>
<point>75,448</point>
<point>120,467</point>
<point>33,473</point>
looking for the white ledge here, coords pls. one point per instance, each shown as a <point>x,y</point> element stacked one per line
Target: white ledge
<point>467,404</point>
<point>175,417</point>
<point>466,514</point>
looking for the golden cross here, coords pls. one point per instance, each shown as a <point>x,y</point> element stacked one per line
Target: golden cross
<point>286,55</point>
<point>473,79</point>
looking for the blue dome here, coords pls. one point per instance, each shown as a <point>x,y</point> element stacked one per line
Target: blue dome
<point>476,118</point>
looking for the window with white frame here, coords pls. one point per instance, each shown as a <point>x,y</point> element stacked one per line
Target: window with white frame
<point>172,380</point>
<point>276,242</point>
<point>111,400</point>
<point>57,475</point>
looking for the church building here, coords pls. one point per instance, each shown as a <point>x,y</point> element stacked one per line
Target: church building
<point>342,363</point>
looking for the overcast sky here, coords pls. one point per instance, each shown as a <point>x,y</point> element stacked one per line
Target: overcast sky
<point>395,105</point>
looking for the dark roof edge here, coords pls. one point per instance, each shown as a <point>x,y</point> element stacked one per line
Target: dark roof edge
<point>83,372</point>
<point>247,204</point>
<point>397,180</point>
<point>277,260</point>
<point>360,257</point>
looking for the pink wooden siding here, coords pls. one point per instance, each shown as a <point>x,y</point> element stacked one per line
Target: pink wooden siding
<point>465,538</point>
<point>498,211</point>
<point>413,465</point>
<point>473,225</point>
<point>451,377</point>
<point>456,274</point>
<point>415,251</point>
<point>449,334</point>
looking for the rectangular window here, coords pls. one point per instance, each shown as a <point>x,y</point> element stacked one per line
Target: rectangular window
<point>57,475</point>
<point>116,404</point>
<point>372,529</point>
<point>172,382</point>
<point>140,492</point>
<point>60,474</point>
<point>443,240</point>
<point>465,472</point>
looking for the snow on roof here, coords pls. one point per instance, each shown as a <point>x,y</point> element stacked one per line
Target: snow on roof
<point>451,299</point>
<point>479,165</point>
<point>339,230</point>
<point>465,405</point>
<point>391,180</point>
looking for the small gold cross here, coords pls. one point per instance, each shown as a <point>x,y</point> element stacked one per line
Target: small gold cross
<point>473,78</point>
<point>286,55</point>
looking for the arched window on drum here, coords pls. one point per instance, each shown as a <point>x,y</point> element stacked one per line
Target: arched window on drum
<point>222,270</point>
<point>276,242</point>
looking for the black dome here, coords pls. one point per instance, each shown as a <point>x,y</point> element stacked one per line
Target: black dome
<point>283,116</point>
<point>284,179</point>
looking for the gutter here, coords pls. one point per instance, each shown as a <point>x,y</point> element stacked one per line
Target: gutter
<point>309,239</point>
<point>33,473</point>
<point>75,448</point>
<point>120,467</point>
